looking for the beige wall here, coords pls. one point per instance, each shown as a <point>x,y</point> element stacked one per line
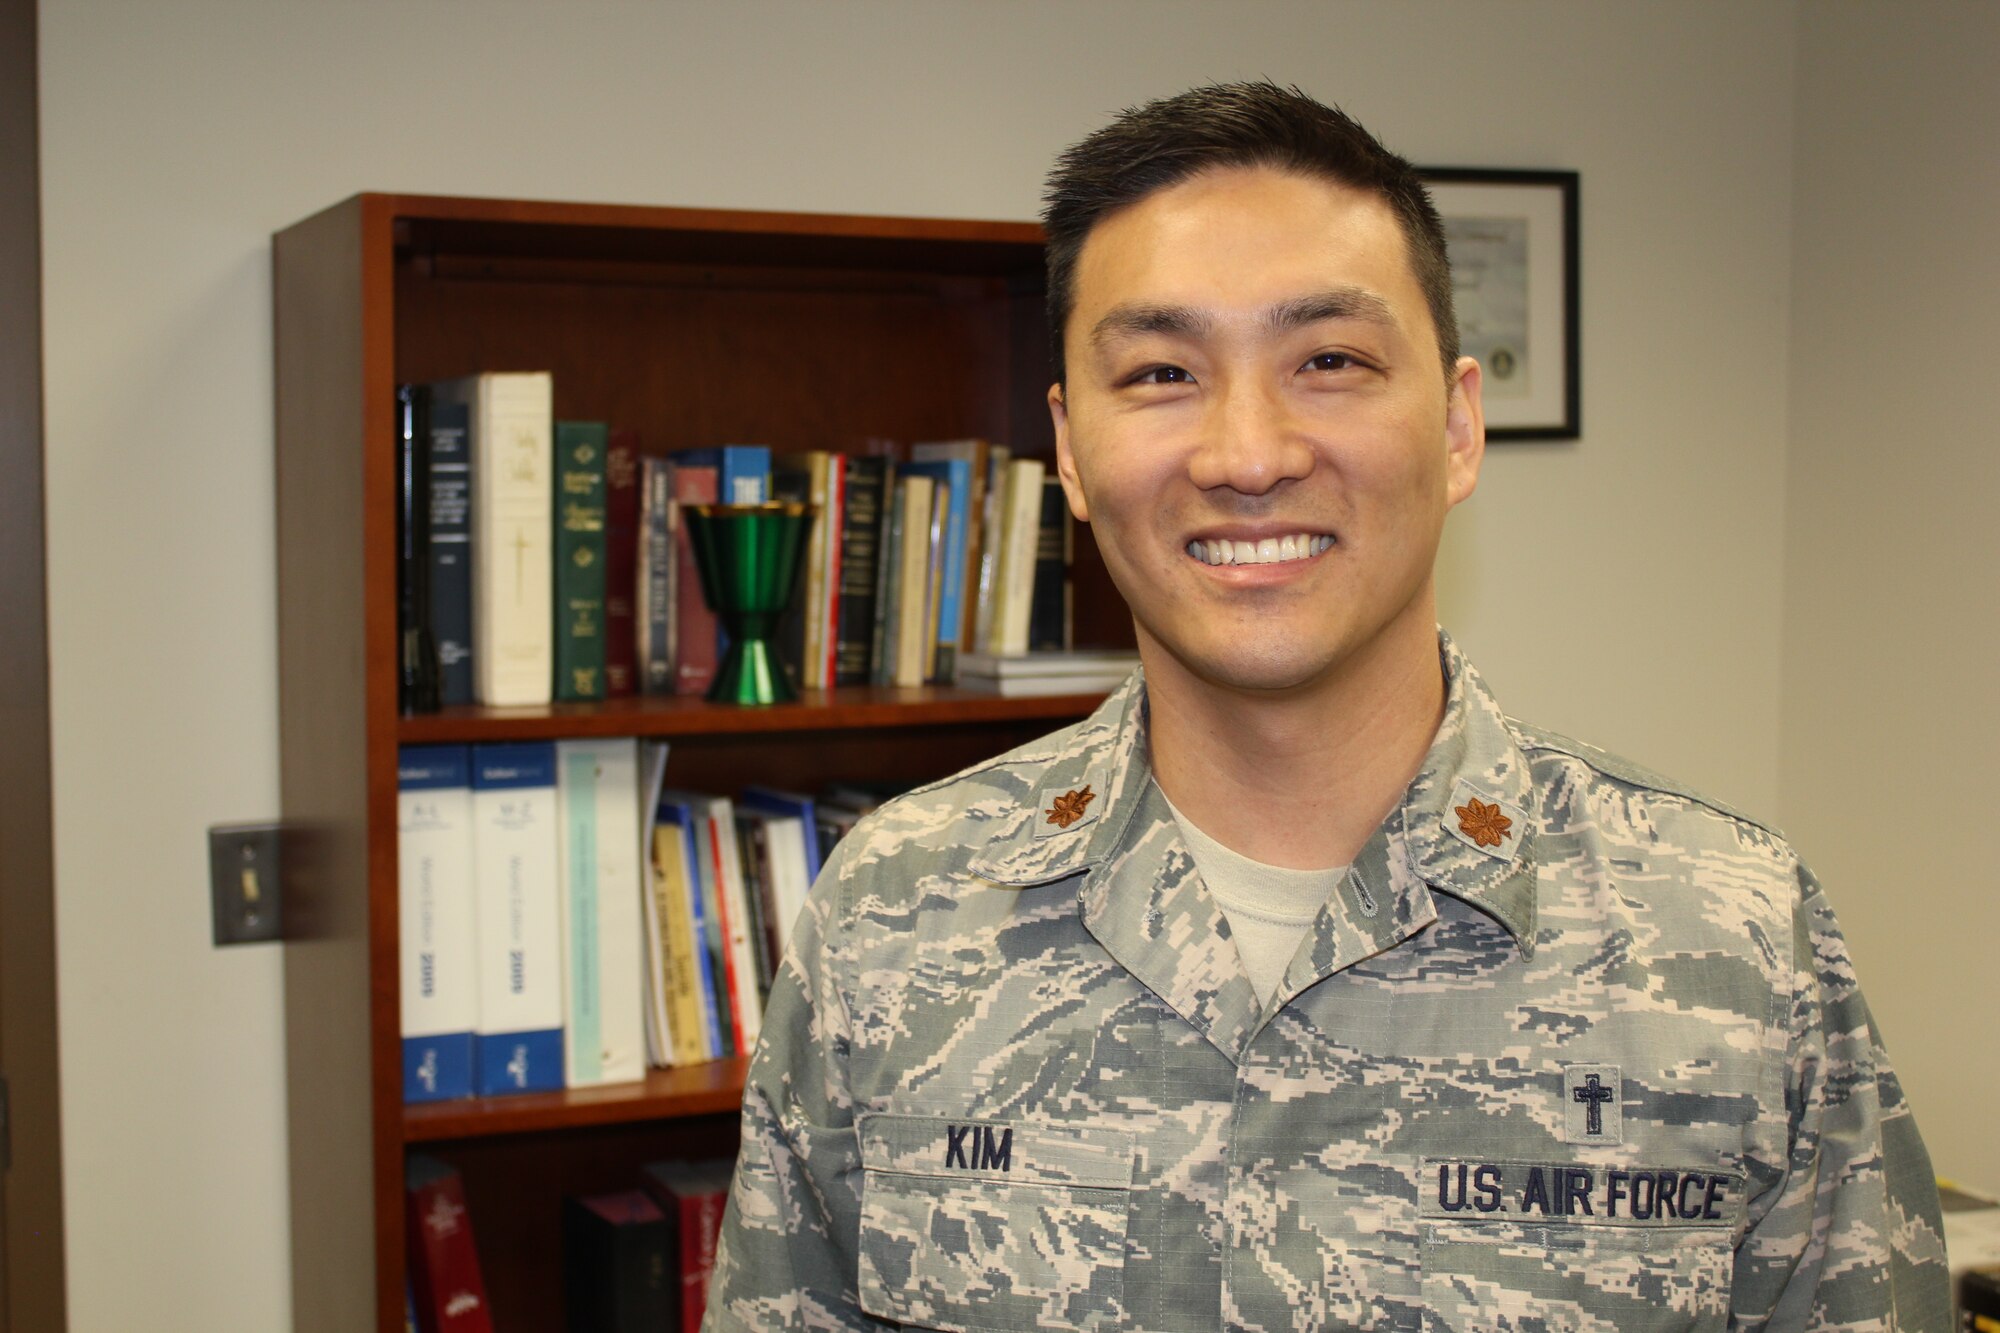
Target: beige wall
<point>1892,562</point>
<point>1629,589</point>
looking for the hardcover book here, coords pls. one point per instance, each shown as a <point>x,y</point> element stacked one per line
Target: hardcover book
<point>511,445</point>
<point>953,478</point>
<point>792,479</point>
<point>697,1025</point>
<point>888,580</point>
<point>1025,687</point>
<point>659,980</point>
<point>597,793</point>
<point>979,457</point>
<point>1055,544</point>
<point>440,984</point>
<point>1117,662</point>
<point>1021,522</point>
<point>621,1270</point>
<point>787,849</point>
<point>805,637</point>
<point>757,887</point>
<point>446,1285</point>
<point>450,554</point>
<point>862,512</point>
<point>580,559</point>
<point>418,687</point>
<point>780,802</point>
<point>743,471</point>
<point>621,564</point>
<point>833,519</point>
<point>724,934</point>
<point>520,1040</point>
<point>991,525</point>
<point>659,565</point>
<point>695,630</point>
<point>694,1194</point>
<point>915,622</point>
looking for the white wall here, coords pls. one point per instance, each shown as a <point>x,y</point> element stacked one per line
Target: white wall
<point>1892,564</point>
<point>1626,589</point>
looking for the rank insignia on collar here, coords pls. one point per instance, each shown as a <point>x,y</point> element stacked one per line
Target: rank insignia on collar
<point>1069,807</point>
<point>1483,823</point>
<point>1489,824</point>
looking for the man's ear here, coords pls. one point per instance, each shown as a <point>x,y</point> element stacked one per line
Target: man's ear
<point>1464,431</point>
<point>1065,456</point>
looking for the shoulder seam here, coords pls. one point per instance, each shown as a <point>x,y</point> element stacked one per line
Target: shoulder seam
<point>1009,760</point>
<point>1041,750</point>
<point>1532,738</point>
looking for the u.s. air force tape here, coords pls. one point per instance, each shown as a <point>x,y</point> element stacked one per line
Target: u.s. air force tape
<point>1478,1190</point>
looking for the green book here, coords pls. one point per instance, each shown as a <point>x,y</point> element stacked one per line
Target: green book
<point>579,559</point>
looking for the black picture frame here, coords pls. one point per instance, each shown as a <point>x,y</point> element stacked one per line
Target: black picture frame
<point>1513,239</point>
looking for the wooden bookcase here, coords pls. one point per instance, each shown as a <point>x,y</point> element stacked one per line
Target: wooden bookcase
<point>697,327</point>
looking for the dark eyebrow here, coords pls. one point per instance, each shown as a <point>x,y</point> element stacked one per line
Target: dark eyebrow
<point>1334,303</point>
<point>1132,321</point>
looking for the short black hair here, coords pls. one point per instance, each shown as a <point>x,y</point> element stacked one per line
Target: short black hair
<point>1259,124</point>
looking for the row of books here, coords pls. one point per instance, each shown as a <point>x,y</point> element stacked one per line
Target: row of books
<point>633,1261</point>
<point>543,559</point>
<point>567,919</point>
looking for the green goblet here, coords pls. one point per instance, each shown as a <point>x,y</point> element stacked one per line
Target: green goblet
<point>749,558</point>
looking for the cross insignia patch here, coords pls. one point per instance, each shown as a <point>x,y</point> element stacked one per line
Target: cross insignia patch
<point>1593,1104</point>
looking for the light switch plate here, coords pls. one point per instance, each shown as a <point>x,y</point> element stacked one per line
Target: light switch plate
<point>244,880</point>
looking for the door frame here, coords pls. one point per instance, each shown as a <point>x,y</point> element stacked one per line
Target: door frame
<point>32,1269</point>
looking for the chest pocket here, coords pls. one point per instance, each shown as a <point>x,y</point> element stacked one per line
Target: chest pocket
<point>1626,1252</point>
<point>993,1225</point>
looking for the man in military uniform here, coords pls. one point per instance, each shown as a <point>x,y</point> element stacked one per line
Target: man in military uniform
<point>1299,987</point>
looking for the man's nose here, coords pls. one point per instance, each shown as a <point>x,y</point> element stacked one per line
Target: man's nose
<point>1249,442</point>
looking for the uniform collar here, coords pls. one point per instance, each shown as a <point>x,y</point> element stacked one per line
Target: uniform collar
<point>1087,787</point>
<point>1463,824</point>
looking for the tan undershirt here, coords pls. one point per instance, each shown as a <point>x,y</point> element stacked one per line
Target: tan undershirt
<point>1269,908</point>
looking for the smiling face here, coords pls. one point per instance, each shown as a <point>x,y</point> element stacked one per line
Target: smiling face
<point>1257,427</point>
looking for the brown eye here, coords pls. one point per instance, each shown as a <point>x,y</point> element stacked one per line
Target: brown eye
<point>1331,361</point>
<point>1163,375</point>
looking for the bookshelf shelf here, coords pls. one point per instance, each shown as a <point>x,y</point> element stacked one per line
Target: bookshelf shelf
<point>847,709</point>
<point>664,1094</point>
<point>693,327</point>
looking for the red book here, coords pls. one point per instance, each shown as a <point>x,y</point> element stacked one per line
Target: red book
<point>694,1195</point>
<point>444,1266</point>
<point>695,636</point>
<point>621,571</point>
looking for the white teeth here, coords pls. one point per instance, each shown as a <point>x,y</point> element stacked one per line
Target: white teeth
<point>1269,551</point>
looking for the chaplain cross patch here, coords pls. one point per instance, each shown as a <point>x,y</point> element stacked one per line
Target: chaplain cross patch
<point>1593,1104</point>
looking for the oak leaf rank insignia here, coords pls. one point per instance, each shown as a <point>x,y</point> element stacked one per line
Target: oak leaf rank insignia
<point>1483,823</point>
<point>1069,807</point>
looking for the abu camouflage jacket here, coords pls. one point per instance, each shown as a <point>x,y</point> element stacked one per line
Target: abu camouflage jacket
<point>1571,1049</point>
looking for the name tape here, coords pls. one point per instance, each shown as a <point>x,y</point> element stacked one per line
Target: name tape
<point>1471,1190</point>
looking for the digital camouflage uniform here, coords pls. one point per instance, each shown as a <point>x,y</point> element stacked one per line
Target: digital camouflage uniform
<point>1572,1048</point>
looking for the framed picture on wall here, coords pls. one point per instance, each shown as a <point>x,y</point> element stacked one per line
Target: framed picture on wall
<point>1512,238</point>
